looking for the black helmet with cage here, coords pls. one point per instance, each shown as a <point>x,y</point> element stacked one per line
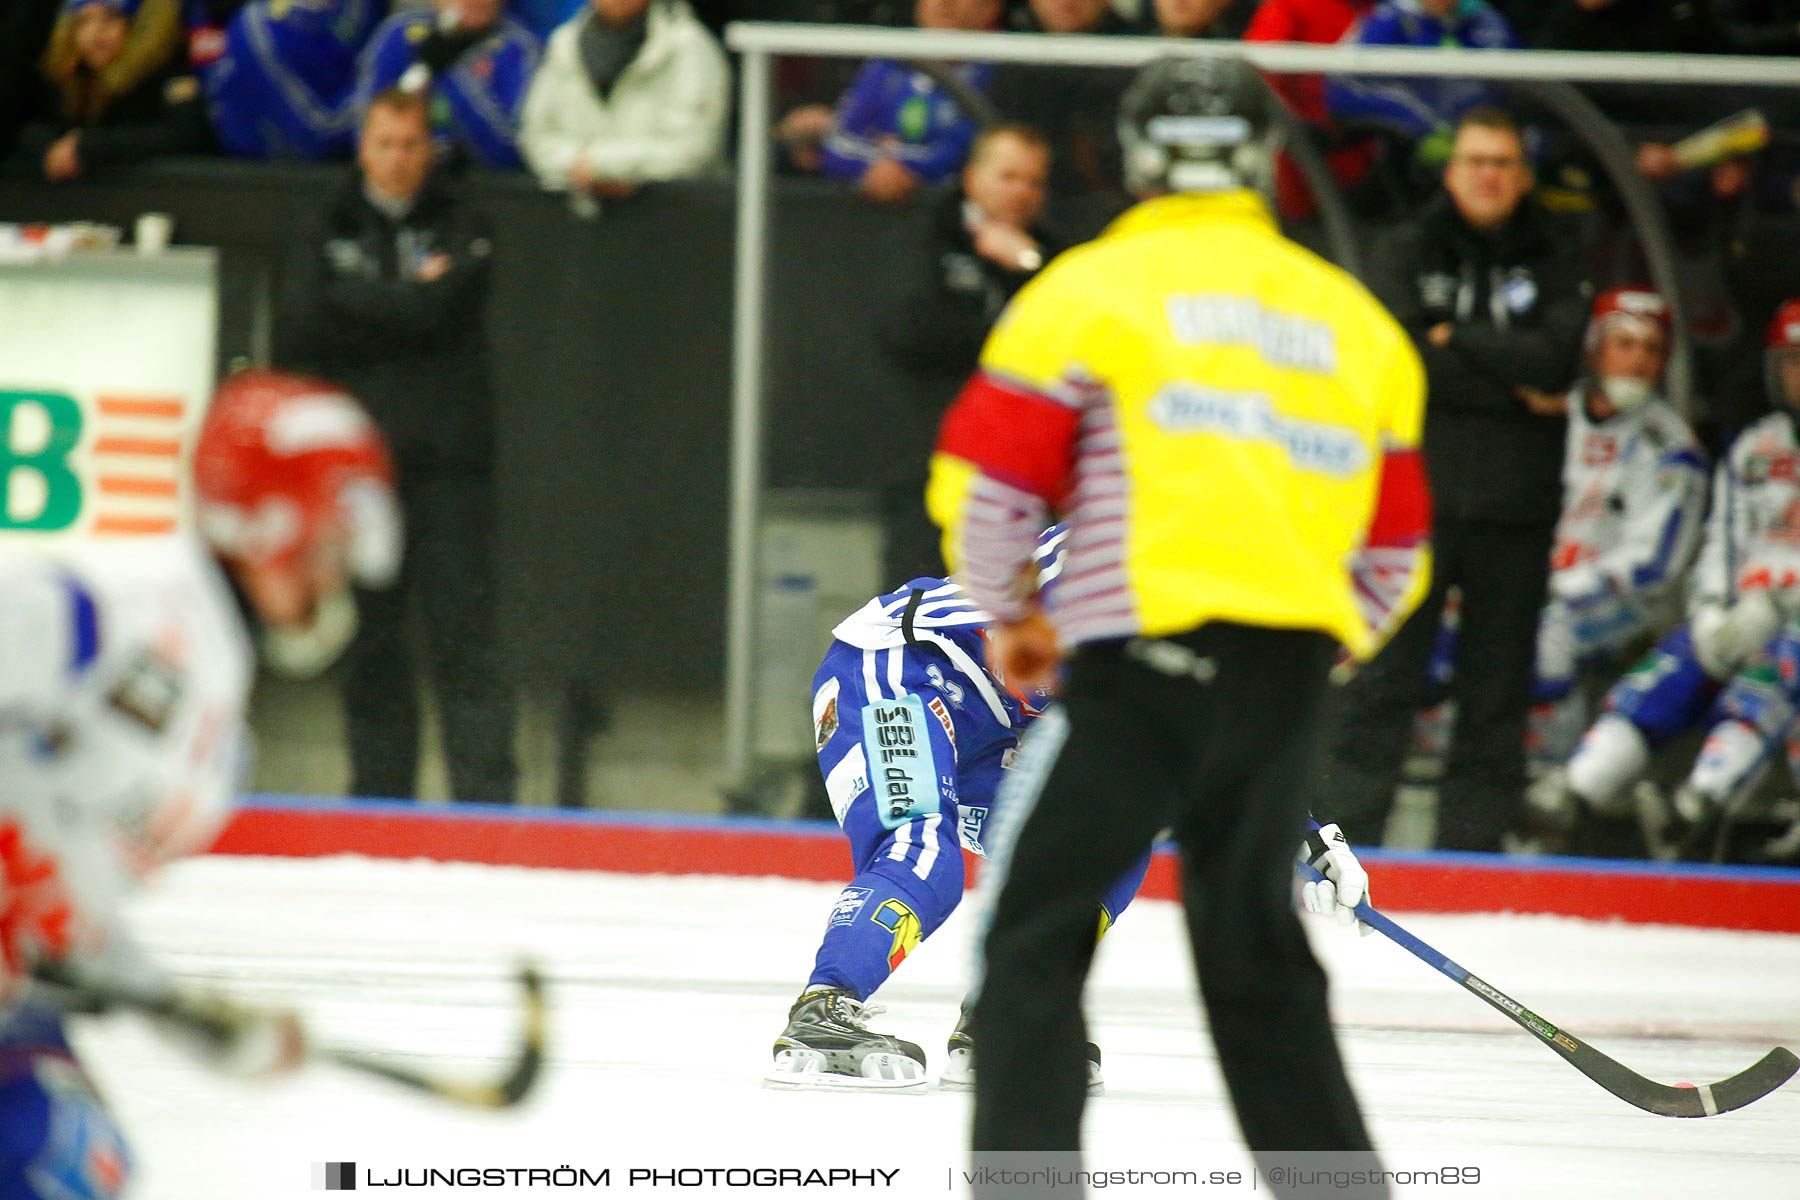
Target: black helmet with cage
<point>1199,125</point>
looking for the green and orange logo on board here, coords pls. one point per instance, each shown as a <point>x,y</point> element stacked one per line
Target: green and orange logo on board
<point>134,454</point>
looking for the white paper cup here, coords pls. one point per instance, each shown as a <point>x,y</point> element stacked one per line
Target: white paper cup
<point>153,231</point>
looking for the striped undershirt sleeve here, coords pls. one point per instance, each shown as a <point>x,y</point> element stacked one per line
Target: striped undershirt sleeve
<point>1003,462</point>
<point>1389,572</point>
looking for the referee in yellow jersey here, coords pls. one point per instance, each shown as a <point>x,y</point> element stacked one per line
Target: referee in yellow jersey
<point>1230,426</point>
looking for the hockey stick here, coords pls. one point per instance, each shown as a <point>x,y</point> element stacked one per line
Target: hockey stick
<point>1708,1100</point>
<point>212,1024</point>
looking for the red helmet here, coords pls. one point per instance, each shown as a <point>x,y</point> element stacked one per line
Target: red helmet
<point>1782,341</point>
<point>284,458</point>
<point>1784,330</point>
<point>1638,305</point>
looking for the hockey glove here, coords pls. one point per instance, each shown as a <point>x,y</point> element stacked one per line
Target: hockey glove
<point>1345,885</point>
<point>1726,638</point>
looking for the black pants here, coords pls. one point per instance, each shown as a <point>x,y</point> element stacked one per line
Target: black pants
<point>1229,765</point>
<point>1503,572</point>
<point>448,572</point>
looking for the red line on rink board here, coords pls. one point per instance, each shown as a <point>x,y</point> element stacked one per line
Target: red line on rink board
<point>169,407</point>
<point>1748,899</point>
<point>150,447</point>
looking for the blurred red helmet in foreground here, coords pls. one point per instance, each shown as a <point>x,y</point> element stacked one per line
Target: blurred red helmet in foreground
<point>294,483</point>
<point>281,462</point>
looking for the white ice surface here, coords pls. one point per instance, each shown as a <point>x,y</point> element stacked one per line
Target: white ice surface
<point>667,992</point>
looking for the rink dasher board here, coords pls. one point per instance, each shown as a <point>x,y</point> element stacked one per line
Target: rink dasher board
<point>107,362</point>
<point>1743,898</point>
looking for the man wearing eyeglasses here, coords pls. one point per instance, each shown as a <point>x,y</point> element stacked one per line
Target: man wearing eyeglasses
<point>1496,301</point>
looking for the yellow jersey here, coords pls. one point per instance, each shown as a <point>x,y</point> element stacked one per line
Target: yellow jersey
<point>1229,423</point>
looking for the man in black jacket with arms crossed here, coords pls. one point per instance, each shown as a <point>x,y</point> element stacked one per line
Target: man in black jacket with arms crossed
<point>396,284</point>
<point>1495,302</point>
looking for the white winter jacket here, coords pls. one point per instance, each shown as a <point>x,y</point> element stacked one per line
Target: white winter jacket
<point>664,120</point>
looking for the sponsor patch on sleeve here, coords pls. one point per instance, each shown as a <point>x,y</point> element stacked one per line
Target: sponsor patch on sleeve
<point>825,713</point>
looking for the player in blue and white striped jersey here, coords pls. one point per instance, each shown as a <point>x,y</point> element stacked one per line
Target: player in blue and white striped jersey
<point>914,734</point>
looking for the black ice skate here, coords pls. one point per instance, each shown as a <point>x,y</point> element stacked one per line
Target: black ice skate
<point>827,1045</point>
<point>959,1070</point>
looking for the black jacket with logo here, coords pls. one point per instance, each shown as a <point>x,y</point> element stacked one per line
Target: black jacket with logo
<point>936,331</point>
<point>940,325</point>
<point>1518,301</point>
<point>413,352</point>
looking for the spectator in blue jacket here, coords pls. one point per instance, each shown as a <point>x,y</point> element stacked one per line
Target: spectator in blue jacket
<point>474,61</point>
<point>1422,111</point>
<point>896,128</point>
<point>280,75</point>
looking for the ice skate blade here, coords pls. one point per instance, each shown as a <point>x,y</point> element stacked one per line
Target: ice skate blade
<point>959,1075</point>
<point>889,1074</point>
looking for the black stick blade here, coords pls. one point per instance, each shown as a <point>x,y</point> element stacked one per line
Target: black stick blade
<point>521,1076</point>
<point>1707,1100</point>
<point>530,1063</point>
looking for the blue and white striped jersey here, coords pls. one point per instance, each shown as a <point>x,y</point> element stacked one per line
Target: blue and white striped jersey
<point>938,614</point>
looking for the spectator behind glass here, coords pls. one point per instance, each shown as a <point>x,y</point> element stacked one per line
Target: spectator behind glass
<point>895,127</point>
<point>473,62</point>
<point>1348,156</point>
<point>1422,113</point>
<point>113,98</point>
<point>1195,18</point>
<point>151,48</point>
<point>1684,190</point>
<point>631,92</point>
<point>1076,107</point>
<point>984,240</point>
<point>280,75</point>
<point>392,304</point>
<point>1495,301</point>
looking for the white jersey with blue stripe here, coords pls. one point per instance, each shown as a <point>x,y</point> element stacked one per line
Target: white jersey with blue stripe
<point>1752,538</point>
<point>1634,504</point>
<point>122,736</point>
